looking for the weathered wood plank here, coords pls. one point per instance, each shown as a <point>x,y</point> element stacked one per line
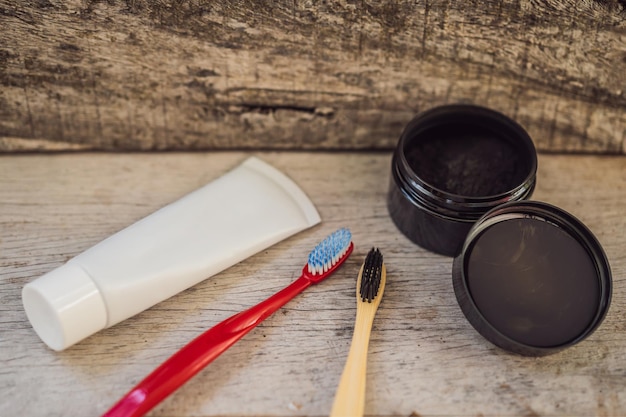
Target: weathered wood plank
<point>425,359</point>
<point>144,75</point>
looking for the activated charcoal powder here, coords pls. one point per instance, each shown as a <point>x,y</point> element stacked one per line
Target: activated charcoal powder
<point>453,164</point>
<point>468,159</point>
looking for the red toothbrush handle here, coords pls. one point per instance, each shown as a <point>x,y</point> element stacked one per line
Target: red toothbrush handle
<point>198,353</point>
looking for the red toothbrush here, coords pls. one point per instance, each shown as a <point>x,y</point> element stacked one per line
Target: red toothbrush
<point>327,256</point>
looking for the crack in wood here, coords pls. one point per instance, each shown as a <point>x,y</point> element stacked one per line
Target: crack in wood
<point>113,73</point>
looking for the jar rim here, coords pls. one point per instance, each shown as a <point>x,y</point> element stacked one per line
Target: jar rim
<point>436,198</point>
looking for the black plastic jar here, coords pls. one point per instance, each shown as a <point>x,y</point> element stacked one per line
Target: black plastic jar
<point>453,164</point>
<point>532,279</point>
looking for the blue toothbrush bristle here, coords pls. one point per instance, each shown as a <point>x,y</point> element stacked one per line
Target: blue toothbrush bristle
<point>328,252</point>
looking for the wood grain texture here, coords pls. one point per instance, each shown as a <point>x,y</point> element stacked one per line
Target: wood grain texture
<point>424,357</point>
<point>298,74</point>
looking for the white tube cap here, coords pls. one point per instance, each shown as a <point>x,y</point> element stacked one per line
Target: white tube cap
<point>64,306</point>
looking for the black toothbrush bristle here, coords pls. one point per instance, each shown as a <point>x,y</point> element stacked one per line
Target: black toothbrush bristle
<point>372,272</point>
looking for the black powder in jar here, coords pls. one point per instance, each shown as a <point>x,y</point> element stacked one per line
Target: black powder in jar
<point>467,160</point>
<point>452,165</point>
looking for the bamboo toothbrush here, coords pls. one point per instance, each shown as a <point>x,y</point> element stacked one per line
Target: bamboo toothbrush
<point>323,260</point>
<point>350,395</point>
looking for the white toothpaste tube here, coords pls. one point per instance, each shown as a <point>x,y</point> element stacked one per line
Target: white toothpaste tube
<point>248,209</point>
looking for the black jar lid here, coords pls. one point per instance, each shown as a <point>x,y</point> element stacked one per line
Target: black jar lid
<point>532,279</point>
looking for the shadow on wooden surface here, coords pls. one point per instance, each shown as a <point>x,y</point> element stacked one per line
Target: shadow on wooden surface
<point>186,75</point>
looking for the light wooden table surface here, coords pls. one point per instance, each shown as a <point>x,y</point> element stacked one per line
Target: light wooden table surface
<point>425,358</point>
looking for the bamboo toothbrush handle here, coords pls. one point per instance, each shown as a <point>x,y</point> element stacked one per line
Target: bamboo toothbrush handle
<point>350,395</point>
<point>198,353</point>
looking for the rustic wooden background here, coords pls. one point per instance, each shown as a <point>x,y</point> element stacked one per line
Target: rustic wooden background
<point>301,74</point>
